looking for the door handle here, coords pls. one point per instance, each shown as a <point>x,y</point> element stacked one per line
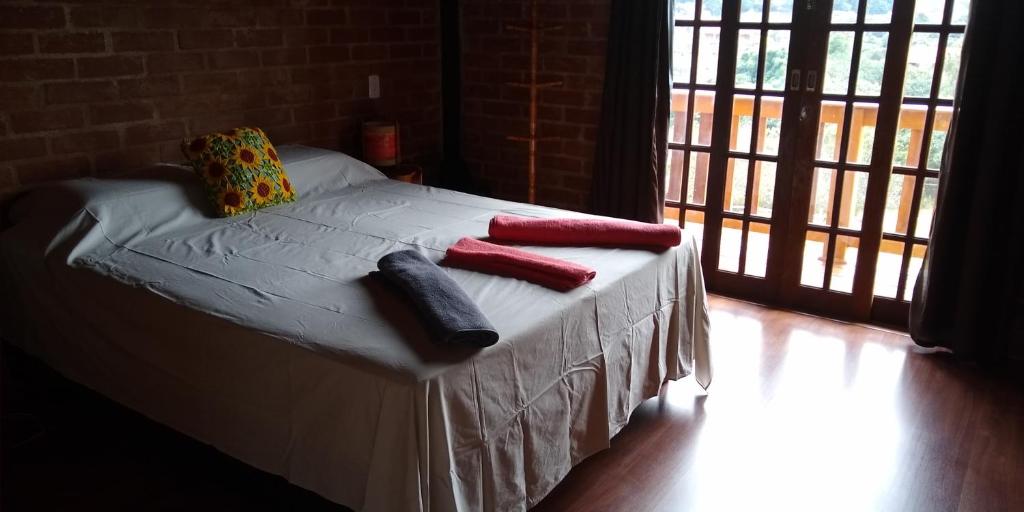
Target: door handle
<point>812,81</point>
<point>794,80</point>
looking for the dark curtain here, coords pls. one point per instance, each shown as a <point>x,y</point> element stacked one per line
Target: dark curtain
<point>629,167</point>
<point>969,296</point>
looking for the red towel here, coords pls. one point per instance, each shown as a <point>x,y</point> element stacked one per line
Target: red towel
<point>583,232</point>
<point>561,275</point>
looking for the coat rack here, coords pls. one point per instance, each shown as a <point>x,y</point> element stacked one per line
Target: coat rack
<point>535,30</point>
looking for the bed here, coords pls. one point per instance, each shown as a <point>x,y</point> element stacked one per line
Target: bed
<point>262,336</point>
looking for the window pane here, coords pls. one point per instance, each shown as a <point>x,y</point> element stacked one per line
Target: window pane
<point>697,181</point>
<point>844,11</point>
<point>747,48</point>
<point>769,131</point>
<point>757,249</point>
<point>677,116</point>
<point>703,117</point>
<point>924,47</point>
<point>764,188</point>
<point>812,272</point>
<point>851,210</point>
<point>830,128</point>
<point>878,11</point>
<point>909,136</point>
<point>821,196</point>
<point>897,204</point>
<point>960,11</point>
<point>781,11</point>
<point>674,175</point>
<point>872,63</point>
<point>711,10</point>
<point>707,58</point>
<point>684,9</point>
<point>736,185</point>
<point>837,66</point>
<point>776,59</point>
<point>862,133</point>
<point>729,250</point>
<point>742,122</point>
<point>951,66</point>
<point>940,126</point>
<point>887,273</point>
<point>682,54</point>
<point>928,11</point>
<point>913,269</point>
<point>844,264</point>
<point>750,10</point>
<point>926,210</point>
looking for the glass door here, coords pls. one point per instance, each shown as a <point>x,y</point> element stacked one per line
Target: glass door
<point>804,145</point>
<point>730,71</point>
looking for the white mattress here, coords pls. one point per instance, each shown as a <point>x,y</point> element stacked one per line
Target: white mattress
<point>261,335</point>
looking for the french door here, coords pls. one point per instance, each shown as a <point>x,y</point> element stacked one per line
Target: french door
<point>804,142</point>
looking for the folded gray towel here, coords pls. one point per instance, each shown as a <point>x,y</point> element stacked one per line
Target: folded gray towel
<point>450,315</point>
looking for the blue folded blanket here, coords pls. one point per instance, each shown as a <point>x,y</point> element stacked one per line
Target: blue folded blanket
<point>450,315</point>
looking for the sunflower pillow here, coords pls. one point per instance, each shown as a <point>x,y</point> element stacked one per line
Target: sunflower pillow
<point>241,170</point>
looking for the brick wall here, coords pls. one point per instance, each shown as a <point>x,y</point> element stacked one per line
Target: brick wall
<point>93,87</point>
<point>494,55</point>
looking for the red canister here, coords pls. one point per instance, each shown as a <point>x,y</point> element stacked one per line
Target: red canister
<point>381,143</point>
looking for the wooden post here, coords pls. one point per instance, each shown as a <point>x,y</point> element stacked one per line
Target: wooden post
<point>535,30</point>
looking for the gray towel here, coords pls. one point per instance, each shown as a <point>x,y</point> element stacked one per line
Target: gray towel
<point>450,315</point>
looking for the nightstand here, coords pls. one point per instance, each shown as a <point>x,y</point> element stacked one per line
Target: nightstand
<point>409,173</point>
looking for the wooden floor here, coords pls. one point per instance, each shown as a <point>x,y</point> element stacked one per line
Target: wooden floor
<point>804,414</point>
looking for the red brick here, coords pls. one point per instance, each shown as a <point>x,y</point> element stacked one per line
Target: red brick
<point>147,41</point>
<point>91,42</point>
<point>121,17</point>
<point>15,43</point>
<point>322,54</point>
<point>275,116</point>
<point>118,162</point>
<point>234,59</point>
<point>42,120</point>
<point>406,51</point>
<point>31,17</point>
<point>120,112</point>
<point>280,17</point>
<point>404,17</point>
<point>117,65</point>
<point>284,57</point>
<point>263,37</point>
<point>155,132</point>
<point>163,17</point>
<point>326,17</point>
<point>369,52</point>
<point>7,179</point>
<point>22,148</point>
<point>159,63</point>
<point>30,70</point>
<point>53,169</point>
<point>350,34</point>
<point>149,87</point>
<point>81,142</point>
<point>205,39</point>
<point>314,112</point>
<point>305,36</point>
<point>80,92</point>
<point>14,97</point>
<point>365,17</point>
<point>210,81</point>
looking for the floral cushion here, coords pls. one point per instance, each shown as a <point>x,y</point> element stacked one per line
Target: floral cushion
<point>241,170</point>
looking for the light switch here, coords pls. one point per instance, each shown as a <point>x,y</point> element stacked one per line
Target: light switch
<point>374,83</point>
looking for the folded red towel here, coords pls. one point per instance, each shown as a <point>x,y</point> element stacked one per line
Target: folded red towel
<point>473,254</point>
<point>583,232</point>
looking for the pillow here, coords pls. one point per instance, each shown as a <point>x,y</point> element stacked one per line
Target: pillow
<point>240,169</point>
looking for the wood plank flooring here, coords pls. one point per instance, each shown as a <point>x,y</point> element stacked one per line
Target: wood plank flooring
<point>804,414</point>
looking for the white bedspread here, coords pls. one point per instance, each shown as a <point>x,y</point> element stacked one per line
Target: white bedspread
<point>262,336</point>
